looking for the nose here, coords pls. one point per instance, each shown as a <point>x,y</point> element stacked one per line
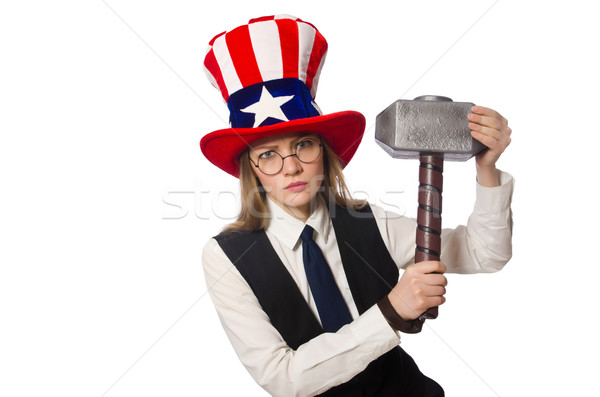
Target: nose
<point>291,165</point>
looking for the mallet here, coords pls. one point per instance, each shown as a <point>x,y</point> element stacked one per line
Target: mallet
<point>433,129</point>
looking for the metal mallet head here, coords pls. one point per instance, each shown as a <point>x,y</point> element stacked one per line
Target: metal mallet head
<point>432,129</point>
<point>428,124</point>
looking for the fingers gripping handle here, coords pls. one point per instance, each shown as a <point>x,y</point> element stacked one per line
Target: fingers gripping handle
<point>429,215</point>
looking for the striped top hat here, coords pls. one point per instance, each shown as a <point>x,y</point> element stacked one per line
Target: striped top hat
<point>267,72</point>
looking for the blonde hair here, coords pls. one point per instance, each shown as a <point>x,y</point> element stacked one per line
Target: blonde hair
<point>254,212</point>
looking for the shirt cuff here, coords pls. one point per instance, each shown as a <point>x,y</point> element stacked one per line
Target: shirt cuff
<point>494,199</point>
<point>395,321</point>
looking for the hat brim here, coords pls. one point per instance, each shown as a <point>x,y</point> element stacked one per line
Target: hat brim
<point>343,132</point>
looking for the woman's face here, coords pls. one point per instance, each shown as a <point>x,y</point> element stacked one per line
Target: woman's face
<point>296,185</point>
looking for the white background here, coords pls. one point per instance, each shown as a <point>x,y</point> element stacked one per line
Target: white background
<point>106,200</point>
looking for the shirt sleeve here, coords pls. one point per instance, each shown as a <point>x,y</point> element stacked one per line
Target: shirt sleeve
<point>323,362</point>
<point>484,245</point>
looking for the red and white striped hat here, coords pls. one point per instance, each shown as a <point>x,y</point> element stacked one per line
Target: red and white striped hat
<point>268,72</point>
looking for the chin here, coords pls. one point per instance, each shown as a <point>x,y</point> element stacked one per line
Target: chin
<point>299,199</point>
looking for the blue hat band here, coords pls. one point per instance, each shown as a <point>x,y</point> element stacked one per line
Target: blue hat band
<point>271,102</point>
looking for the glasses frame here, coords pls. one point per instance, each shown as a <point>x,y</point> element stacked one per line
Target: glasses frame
<point>257,164</point>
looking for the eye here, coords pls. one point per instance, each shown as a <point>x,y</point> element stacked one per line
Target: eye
<point>304,144</point>
<point>267,155</point>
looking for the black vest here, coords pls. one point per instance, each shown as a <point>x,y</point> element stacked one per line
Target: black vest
<point>371,274</point>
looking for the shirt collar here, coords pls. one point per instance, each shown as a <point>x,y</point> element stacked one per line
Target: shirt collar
<point>287,229</point>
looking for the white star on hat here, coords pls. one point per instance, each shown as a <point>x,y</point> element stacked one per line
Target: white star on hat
<point>267,106</point>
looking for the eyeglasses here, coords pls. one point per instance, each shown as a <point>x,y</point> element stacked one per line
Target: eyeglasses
<point>270,162</point>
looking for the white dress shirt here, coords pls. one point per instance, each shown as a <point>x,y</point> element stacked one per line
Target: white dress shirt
<point>483,245</point>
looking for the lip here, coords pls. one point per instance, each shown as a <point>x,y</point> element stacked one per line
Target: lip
<point>296,186</point>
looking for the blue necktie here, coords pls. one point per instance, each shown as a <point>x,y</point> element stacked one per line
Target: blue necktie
<point>331,306</point>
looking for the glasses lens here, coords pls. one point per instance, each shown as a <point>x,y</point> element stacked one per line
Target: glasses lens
<point>270,162</point>
<point>308,150</point>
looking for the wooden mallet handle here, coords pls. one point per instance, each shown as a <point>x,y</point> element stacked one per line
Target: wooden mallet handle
<point>429,215</point>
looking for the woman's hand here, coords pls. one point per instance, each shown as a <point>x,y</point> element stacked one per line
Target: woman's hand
<point>491,129</point>
<point>421,286</point>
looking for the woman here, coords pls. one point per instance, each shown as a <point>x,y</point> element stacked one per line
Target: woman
<point>306,281</point>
